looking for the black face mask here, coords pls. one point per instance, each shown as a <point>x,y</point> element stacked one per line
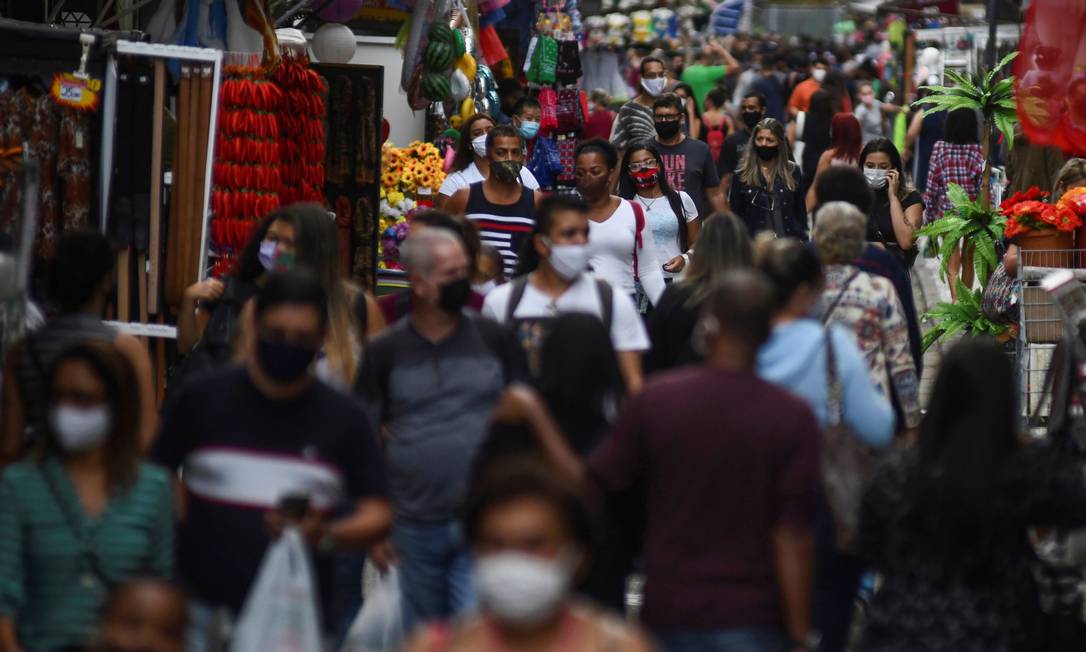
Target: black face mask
<point>284,362</point>
<point>667,130</point>
<point>454,295</point>
<point>751,118</point>
<point>766,152</point>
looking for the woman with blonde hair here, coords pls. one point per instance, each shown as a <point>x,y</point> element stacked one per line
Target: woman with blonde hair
<point>767,193</point>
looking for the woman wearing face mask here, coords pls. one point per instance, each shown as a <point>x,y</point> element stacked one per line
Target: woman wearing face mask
<point>671,214</point>
<point>530,532</point>
<point>622,249</point>
<point>353,315</point>
<point>898,209</point>
<point>82,514</point>
<point>767,193</point>
<point>471,164</point>
<point>210,309</point>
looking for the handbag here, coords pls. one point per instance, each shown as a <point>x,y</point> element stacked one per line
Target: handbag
<point>846,462</point>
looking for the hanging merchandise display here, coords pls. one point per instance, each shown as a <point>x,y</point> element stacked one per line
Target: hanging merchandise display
<point>301,130</point>
<point>61,137</point>
<point>187,212</point>
<point>247,173</point>
<point>352,159</point>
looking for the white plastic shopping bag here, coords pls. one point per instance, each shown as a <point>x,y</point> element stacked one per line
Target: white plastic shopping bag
<point>280,613</point>
<point>379,625</point>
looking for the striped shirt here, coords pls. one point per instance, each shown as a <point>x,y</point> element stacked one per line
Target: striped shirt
<point>505,227</point>
<point>52,585</point>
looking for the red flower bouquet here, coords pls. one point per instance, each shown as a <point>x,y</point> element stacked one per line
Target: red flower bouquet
<point>1025,213</point>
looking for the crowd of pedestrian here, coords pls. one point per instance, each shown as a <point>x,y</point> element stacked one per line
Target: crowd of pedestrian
<point>700,370</point>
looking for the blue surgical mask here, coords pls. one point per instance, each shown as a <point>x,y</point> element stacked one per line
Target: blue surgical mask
<point>529,129</point>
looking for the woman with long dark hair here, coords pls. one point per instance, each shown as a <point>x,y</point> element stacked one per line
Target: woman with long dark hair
<point>945,521</point>
<point>898,210</point>
<point>471,164</point>
<point>83,513</point>
<point>218,301</point>
<point>725,246</point>
<point>767,193</point>
<point>671,214</point>
<point>306,237</point>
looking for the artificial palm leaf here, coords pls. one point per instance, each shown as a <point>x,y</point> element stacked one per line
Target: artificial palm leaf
<point>966,316</point>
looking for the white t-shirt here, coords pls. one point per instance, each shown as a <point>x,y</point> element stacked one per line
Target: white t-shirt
<point>627,330</point>
<point>665,228</point>
<point>471,174</point>
<point>612,244</point>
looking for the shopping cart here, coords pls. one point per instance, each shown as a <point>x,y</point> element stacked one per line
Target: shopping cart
<point>1040,328</point>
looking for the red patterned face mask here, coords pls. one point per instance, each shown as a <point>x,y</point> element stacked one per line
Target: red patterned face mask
<point>645,178</point>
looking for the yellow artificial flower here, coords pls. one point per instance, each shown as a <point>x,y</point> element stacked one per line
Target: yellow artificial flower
<point>395,197</point>
<point>426,180</point>
<point>390,179</point>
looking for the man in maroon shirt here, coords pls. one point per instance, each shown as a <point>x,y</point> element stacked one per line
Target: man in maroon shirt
<point>731,465</point>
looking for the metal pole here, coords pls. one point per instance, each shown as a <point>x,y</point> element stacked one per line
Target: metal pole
<point>992,33</point>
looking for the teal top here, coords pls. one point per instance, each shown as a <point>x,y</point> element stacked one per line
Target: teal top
<point>58,564</point>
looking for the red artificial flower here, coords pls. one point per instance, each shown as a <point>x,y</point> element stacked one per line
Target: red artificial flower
<point>1062,217</point>
<point>1033,194</point>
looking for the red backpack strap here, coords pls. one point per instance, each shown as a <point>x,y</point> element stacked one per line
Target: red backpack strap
<point>639,220</point>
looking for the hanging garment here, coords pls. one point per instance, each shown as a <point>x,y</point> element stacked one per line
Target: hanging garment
<point>130,195</point>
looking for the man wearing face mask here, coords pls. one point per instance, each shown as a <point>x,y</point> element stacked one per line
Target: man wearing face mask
<point>552,278</point>
<point>542,158</point>
<point>635,120</point>
<point>688,162</point>
<point>751,112</point>
<point>501,206</point>
<point>431,381</point>
<point>245,440</point>
<point>801,94</point>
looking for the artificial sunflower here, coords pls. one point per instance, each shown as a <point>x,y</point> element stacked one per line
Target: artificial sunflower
<point>389,179</point>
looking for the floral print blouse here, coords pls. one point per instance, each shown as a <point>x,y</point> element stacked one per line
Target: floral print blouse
<point>869,306</point>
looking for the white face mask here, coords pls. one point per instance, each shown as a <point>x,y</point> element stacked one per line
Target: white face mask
<point>521,589</point>
<point>876,178</point>
<point>485,287</point>
<point>479,145</point>
<point>569,260</point>
<point>818,75</point>
<point>654,86</point>
<point>79,430</point>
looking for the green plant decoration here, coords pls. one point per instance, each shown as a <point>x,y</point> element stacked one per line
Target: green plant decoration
<point>963,316</point>
<point>967,221</point>
<point>973,225</point>
<point>994,100</point>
